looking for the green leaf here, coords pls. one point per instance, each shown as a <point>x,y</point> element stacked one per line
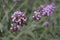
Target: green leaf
<point>1,26</point>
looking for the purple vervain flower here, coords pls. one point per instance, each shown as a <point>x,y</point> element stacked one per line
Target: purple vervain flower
<point>46,24</point>
<point>19,17</point>
<point>36,15</point>
<point>15,27</point>
<point>47,11</point>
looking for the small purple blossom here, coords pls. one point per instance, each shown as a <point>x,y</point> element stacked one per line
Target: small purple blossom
<point>47,11</point>
<point>18,17</point>
<point>36,15</point>
<point>15,27</point>
<point>46,24</point>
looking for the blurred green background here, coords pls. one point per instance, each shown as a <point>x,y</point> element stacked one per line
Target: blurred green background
<point>34,29</point>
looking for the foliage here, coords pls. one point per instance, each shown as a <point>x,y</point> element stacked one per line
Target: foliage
<point>34,29</point>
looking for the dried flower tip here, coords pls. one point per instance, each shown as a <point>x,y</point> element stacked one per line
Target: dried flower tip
<point>40,7</point>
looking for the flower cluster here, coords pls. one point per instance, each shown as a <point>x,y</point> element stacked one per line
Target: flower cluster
<point>36,15</point>
<point>15,27</point>
<point>18,18</point>
<point>47,11</point>
<point>43,10</point>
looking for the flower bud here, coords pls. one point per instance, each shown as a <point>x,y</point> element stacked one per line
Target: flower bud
<point>46,24</point>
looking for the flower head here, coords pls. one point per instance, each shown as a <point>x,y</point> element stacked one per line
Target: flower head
<point>36,15</point>
<point>18,17</point>
<point>46,24</point>
<point>47,11</point>
<point>15,27</point>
